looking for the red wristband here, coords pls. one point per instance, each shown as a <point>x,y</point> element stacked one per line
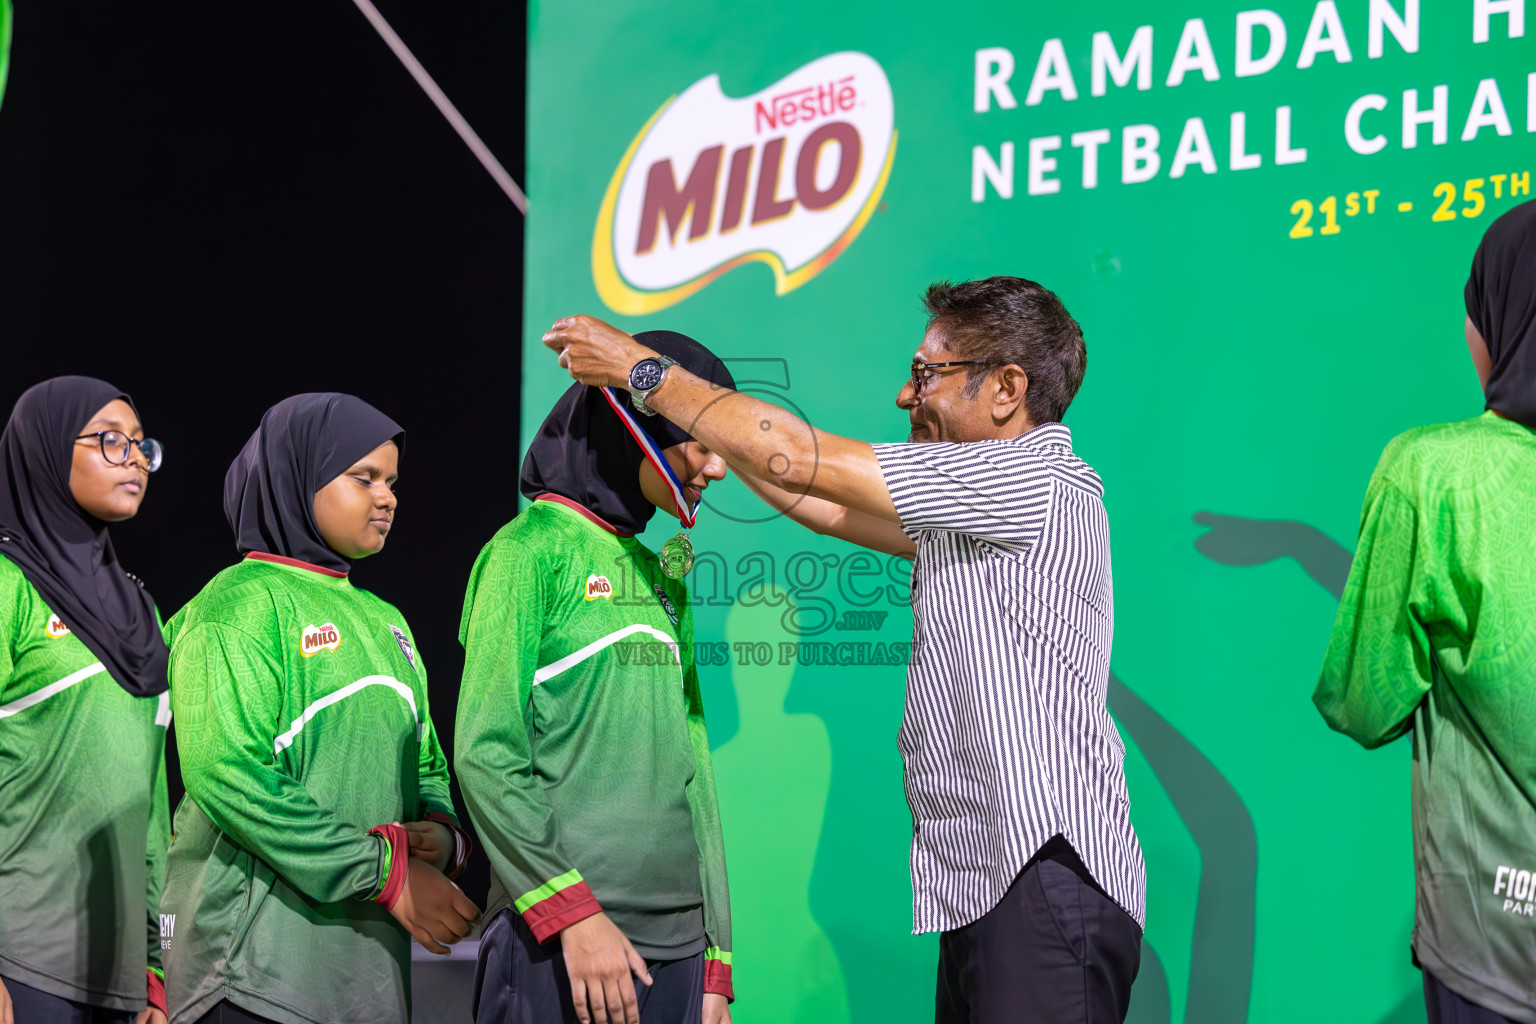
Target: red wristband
<point>466,844</point>
<point>548,916</point>
<point>717,979</point>
<point>399,843</point>
<point>156,993</point>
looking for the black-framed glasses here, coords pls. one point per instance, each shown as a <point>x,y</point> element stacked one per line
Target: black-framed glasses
<point>117,448</point>
<point>922,373</point>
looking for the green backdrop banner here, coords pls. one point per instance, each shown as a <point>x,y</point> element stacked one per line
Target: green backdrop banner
<point>1263,220</point>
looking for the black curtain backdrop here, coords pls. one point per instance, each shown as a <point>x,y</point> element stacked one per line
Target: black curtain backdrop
<point>217,205</point>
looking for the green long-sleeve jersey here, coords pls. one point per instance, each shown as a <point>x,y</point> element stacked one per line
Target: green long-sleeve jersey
<point>1437,631</point>
<point>83,816</point>
<point>5,43</point>
<point>580,739</point>
<point>301,722</point>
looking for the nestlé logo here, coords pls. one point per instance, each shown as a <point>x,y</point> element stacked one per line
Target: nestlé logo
<point>787,177</point>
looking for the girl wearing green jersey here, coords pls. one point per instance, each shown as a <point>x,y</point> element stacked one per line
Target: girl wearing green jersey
<point>292,891</point>
<point>1436,635</point>
<point>83,712</point>
<point>580,735</point>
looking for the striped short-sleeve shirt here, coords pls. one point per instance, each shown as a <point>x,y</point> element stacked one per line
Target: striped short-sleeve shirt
<point>1006,738</point>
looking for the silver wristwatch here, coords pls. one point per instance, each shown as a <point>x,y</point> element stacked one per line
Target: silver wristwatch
<point>646,377</point>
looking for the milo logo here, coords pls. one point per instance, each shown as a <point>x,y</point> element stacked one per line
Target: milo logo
<point>315,639</point>
<point>56,629</point>
<point>787,177</point>
<point>598,587</point>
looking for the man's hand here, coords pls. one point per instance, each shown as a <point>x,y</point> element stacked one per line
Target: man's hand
<point>150,1015</point>
<point>595,353</point>
<point>432,842</point>
<point>434,910</point>
<point>717,1009</point>
<point>600,960</point>
<point>7,1015</point>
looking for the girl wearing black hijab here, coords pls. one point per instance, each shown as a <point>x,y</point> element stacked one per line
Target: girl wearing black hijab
<point>305,739</point>
<point>580,736</point>
<point>83,711</point>
<point>1437,633</point>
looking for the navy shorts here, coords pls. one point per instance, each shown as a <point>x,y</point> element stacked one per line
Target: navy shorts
<point>520,981</point>
<point>28,1005</point>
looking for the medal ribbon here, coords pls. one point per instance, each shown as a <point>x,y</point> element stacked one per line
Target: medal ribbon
<point>685,514</point>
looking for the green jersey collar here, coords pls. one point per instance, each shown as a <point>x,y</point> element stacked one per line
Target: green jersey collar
<point>593,517</point>
<point>262,556</point>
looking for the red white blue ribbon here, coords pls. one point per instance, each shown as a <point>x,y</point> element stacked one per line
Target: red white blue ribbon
<point>685,513</point>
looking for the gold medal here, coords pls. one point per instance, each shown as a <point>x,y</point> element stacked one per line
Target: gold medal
<point>676,557</point>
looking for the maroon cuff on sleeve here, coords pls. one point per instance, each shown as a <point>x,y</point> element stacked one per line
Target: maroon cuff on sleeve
<point>466,844</point>
<point>399,853</point>
<point>156,993</point>
<point>717,979</point>
<point>574,903</point>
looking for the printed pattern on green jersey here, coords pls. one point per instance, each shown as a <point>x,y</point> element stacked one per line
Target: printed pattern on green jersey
<point>1435,631</point>
<point>302,722</point>
<point>84,822</point>
<point>581,744</point>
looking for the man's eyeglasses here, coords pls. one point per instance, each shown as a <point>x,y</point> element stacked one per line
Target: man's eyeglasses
<point>117,448</point>
<point>923,375</point>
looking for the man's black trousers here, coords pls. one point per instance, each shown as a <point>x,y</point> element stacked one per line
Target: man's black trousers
<point>1055,950</point>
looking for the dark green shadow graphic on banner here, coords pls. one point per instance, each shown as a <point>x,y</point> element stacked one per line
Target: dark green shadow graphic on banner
<point>1233,540</point>
<point>1221,962</point>
<point>1242,542</point>
<point>800,981</point>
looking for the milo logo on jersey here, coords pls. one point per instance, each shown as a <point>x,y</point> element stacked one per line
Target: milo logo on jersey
<point>598,587</point>
<point>56,629</point>
<point>315,639</point>
<point>787,177</point>
<point>1518,887</point>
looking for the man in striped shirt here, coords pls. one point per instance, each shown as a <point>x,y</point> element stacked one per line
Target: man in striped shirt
<point>1023,854</point>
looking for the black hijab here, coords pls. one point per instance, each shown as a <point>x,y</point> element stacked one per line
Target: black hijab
<point>1501,300</point>
<point>585,453</point>
<point>64,551</point>
<point>303,443</point>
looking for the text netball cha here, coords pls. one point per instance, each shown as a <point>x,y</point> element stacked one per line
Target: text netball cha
<point>1262,44</point>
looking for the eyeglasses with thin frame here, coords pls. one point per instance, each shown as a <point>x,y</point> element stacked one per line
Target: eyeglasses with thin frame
<point>922,373</point>
<point>117,448</point>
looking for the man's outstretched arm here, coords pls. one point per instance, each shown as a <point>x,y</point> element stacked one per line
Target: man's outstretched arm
<point>754,437</point>
<point>833,520</point>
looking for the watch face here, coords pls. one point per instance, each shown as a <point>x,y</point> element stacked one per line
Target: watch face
<point>645,375</point>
